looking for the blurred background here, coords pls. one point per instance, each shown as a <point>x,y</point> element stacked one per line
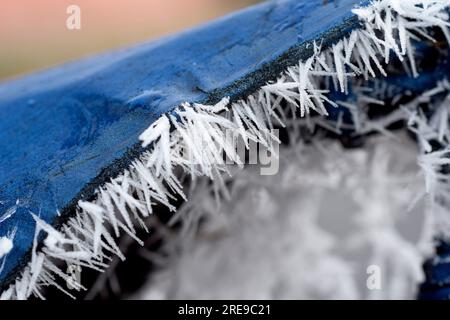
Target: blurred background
<point>33,34</point>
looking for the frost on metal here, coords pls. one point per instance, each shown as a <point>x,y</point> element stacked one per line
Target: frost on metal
<point>6,245</point>
<point>311,231</point>
<point>123,204</point>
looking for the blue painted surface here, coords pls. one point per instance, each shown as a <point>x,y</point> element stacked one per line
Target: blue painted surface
<point>437,286</point>
<point>61,127</point>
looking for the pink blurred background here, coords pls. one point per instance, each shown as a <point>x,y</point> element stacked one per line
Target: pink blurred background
<point>33,33</point>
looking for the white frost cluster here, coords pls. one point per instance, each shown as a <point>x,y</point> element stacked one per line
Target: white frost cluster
<point>87,239</point>
<point>6,245</point>
<point>363,53</point>
<point>311,231</point>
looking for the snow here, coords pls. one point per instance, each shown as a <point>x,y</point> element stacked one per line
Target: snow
<point>6,245</point>
<point>312,231</point>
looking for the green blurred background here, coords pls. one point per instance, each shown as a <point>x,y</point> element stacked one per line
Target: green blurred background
<point>33,33</point>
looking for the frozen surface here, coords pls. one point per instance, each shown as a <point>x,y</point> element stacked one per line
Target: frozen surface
<point>314,230</point>
<point>65,131</point>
